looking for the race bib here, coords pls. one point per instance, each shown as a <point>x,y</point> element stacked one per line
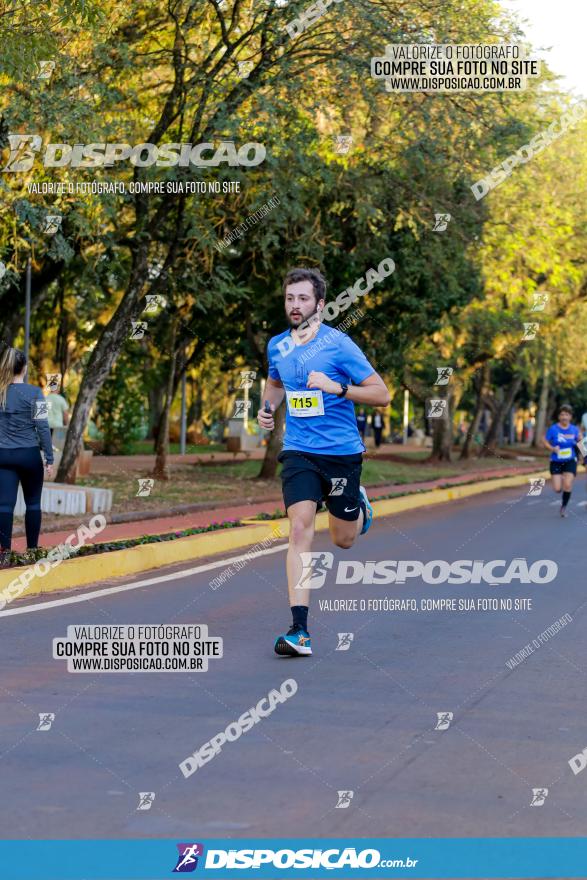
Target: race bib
<point>302,404</point>
<point>564,454</point>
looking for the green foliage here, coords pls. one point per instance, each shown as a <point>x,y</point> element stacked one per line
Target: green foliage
<point>121,410</point>
<point>32,31</point>
<point>153,72</point>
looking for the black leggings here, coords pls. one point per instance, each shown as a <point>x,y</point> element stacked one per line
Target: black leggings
<point>23,465</point>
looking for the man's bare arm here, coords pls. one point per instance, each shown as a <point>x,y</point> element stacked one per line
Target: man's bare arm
<point>371,391</point>
<point>274,394</point>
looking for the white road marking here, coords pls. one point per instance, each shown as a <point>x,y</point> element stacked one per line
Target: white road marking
<point>108,591</point>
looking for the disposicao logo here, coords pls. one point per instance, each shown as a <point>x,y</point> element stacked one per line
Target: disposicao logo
<point>187,860</point>
<point>25,147</point>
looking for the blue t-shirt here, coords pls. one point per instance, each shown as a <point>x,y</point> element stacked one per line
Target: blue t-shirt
<point>338,357</point>
<point>565,439</point>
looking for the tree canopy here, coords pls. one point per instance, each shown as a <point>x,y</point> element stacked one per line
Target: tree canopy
<point>220,71</point>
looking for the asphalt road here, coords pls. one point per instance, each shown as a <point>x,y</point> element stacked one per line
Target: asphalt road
<point>362,720</point>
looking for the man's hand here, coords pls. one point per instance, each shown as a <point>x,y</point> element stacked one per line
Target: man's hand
<point>556,449</point>
<point>266,419</point>
<point>49,471</point>
<point>321,381</point>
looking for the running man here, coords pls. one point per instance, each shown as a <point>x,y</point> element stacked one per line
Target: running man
<point>322,373</point>
<point>561,439</point>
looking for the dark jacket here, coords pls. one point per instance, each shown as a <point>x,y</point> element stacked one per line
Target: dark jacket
<point>23,421</point>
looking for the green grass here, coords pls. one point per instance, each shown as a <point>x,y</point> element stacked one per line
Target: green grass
<point>145,447</point>
<point>393,472</point>
<point>235,482</point>
<point>415,454</point>
<point>373,472</point>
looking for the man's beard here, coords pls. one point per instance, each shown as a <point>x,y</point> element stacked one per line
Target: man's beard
<point>308,323</point>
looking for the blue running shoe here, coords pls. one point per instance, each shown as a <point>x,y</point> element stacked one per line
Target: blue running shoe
<point>295,642</point>
<point>367,510</point>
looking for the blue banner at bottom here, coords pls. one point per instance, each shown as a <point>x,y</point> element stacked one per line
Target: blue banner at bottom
<point>529,857</point>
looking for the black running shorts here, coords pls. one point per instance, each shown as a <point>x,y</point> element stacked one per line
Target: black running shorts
<point>334,479</point>
<point>563,467</point>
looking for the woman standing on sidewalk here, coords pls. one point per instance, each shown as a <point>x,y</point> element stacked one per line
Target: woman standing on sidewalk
<point>23,429</point>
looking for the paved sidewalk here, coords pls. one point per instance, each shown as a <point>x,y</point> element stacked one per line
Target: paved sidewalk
<point>121,531</point>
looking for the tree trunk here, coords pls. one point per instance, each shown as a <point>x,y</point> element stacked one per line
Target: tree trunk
<point>161,470</point>
<point>442,431</point>
<point>542,407</point>
<point>182,363</point>
<point>499,416</point>
<point>195,409</point>
<point>156,406</point>
<point>269,466</point>
<point>61,340</point>
<point>99,365</point>
<point>474,426</point>
<point>551,404</point>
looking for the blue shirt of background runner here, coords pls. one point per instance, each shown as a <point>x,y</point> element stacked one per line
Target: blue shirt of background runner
<point>338,357</point>
<point>564,438</point>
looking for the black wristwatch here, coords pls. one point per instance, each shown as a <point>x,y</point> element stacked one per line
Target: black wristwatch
<point>343,390</point>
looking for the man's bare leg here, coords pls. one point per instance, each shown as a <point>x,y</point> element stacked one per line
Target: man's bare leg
<point>301,534</point>
<point>344,532</point>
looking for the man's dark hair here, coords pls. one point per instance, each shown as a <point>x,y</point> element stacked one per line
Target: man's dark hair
<point>566,407</point>
<point>314,276</point>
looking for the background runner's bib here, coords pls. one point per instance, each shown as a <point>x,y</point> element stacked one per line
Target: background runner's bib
<point>305,403</point>
<point>565,439</point>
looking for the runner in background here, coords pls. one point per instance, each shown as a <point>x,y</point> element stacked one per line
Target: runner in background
<point>583,444</point>
<point>377,423</point>
<point>561,439</point>
<point>362,423</point>
<point>322,373</point>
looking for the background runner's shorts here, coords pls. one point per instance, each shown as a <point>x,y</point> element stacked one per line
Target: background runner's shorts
<point>334,479</point>
<point>563,467</point>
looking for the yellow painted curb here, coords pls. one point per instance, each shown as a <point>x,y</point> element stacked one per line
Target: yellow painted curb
<point>439,496</point>
<point>75,573</point>
<point>389,506</point>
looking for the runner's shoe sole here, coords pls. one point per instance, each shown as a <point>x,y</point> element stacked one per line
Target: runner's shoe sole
<point>286,649</point>
<point>368,510</point>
